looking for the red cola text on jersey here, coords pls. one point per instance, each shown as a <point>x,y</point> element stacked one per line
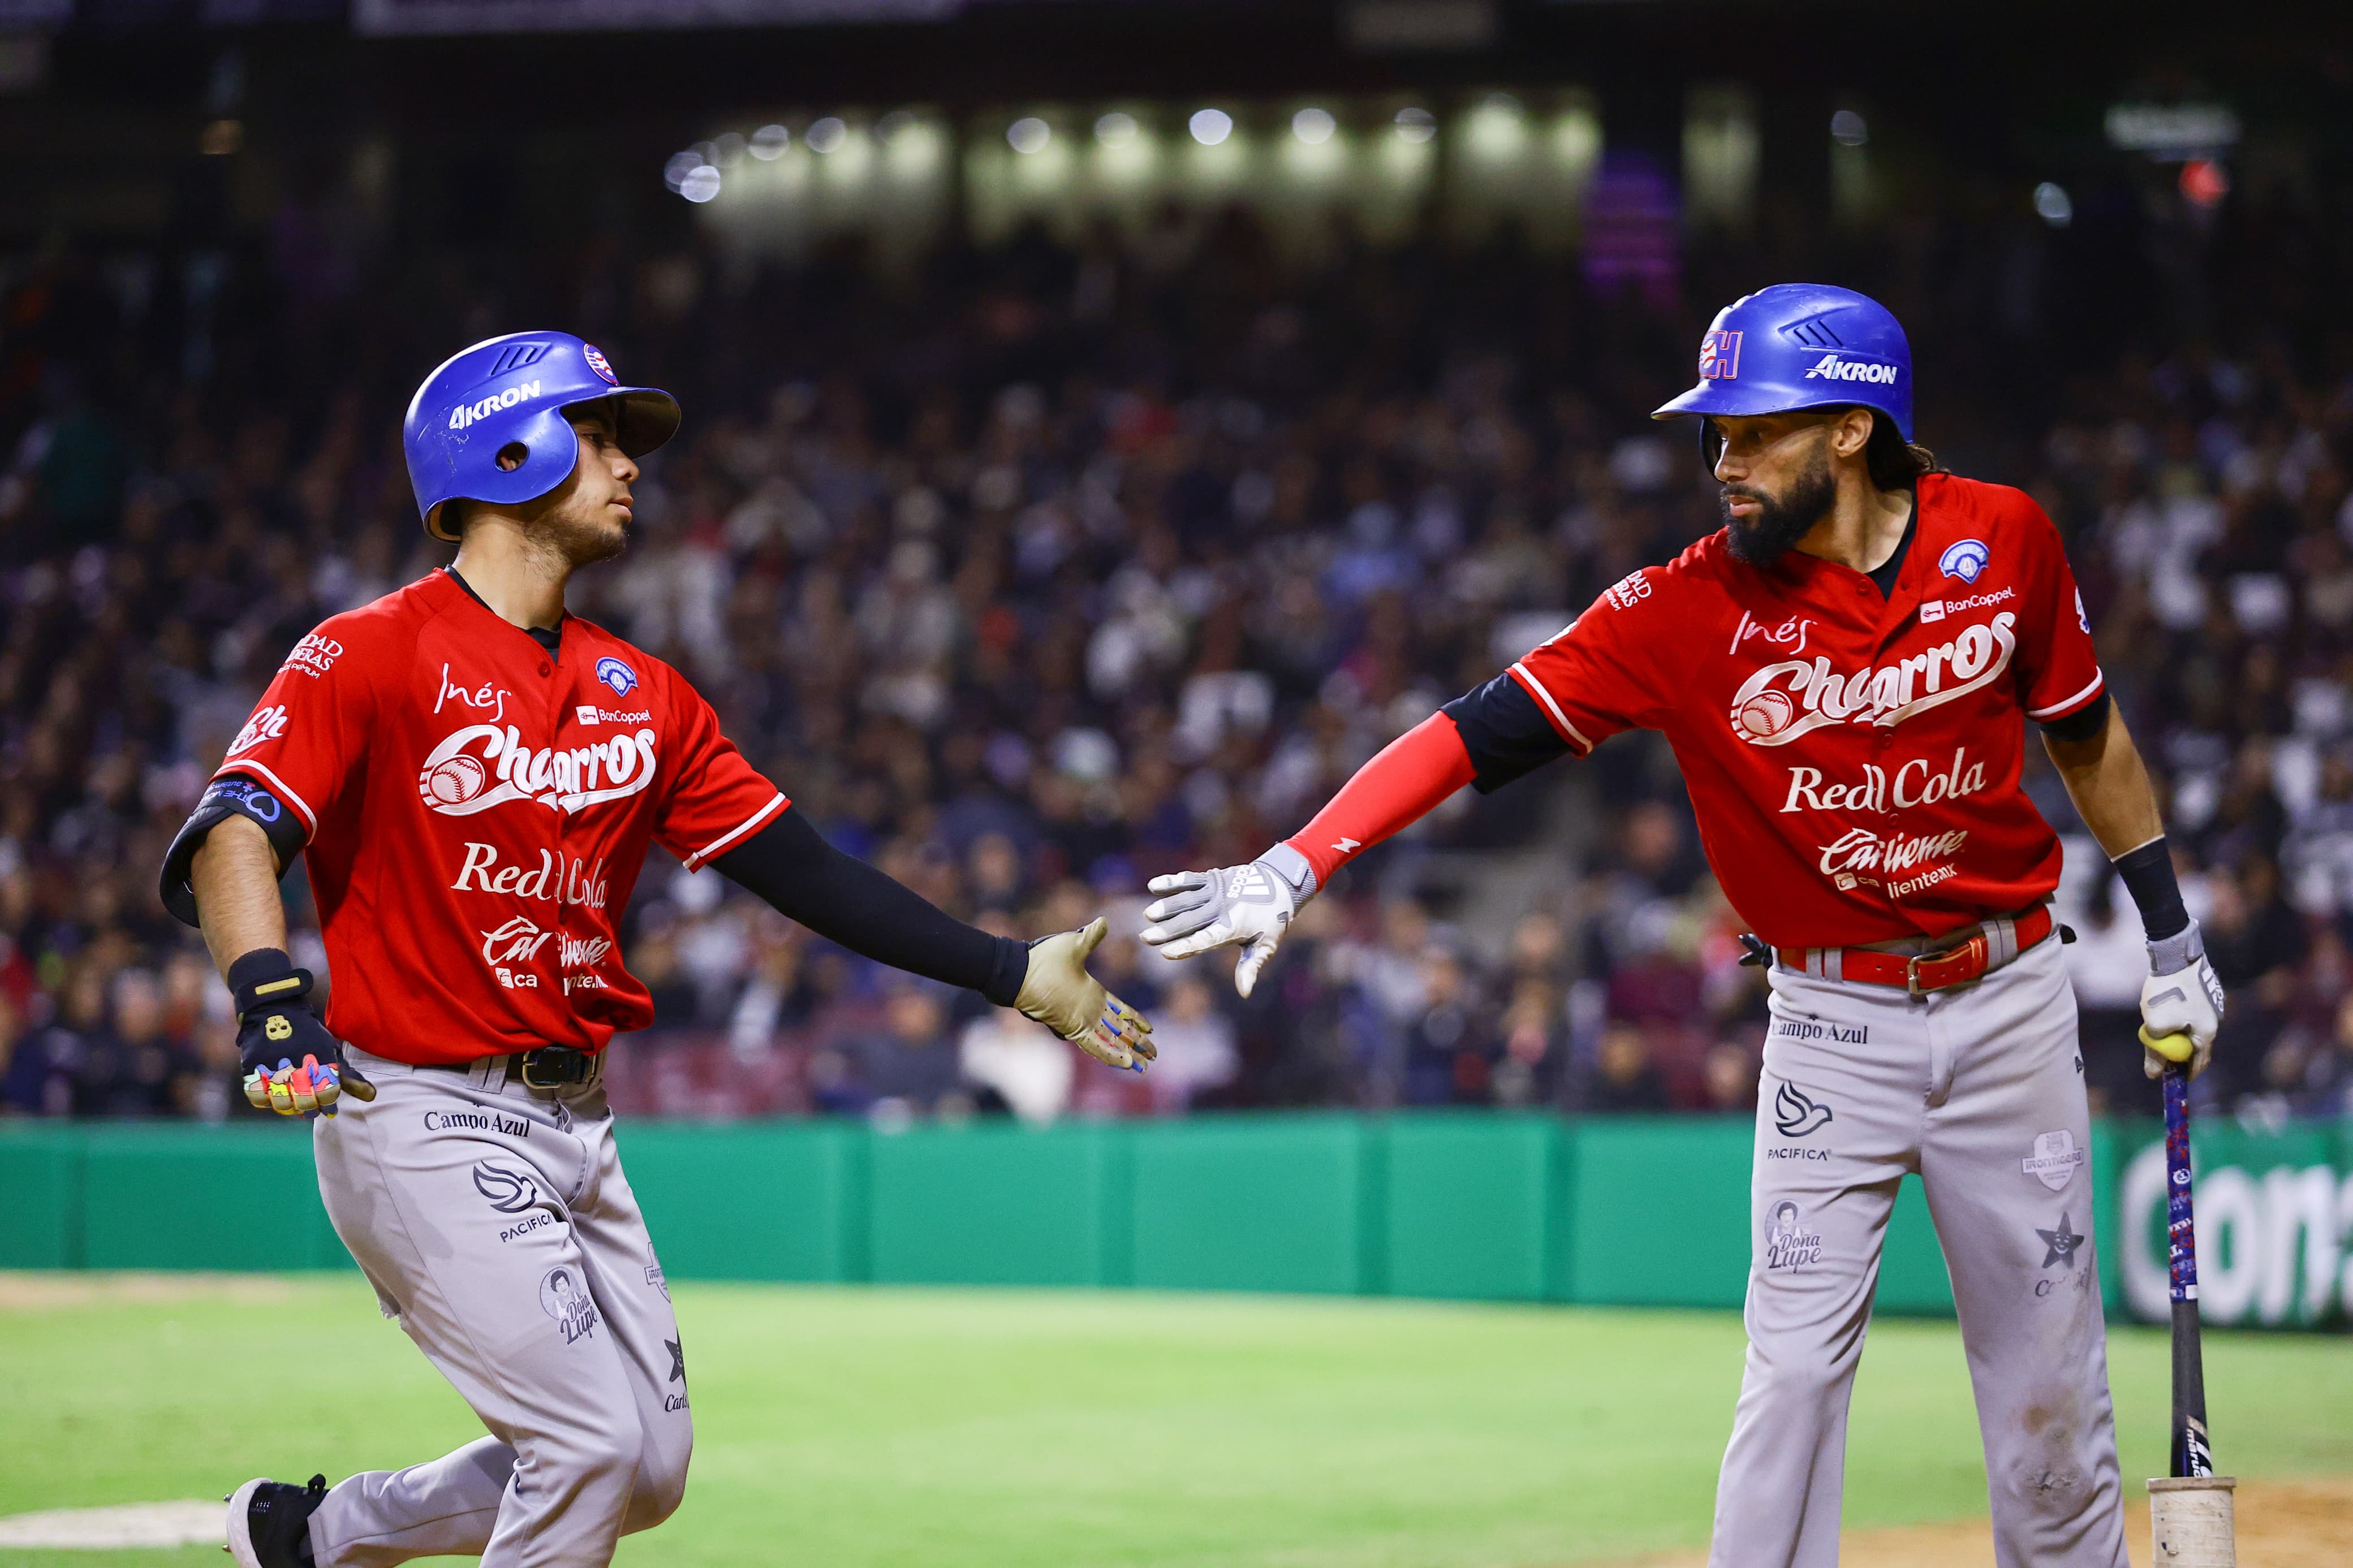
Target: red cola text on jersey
<point>1853,758</point>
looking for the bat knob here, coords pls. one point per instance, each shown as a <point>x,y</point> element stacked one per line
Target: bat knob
<point>2176,1048</point>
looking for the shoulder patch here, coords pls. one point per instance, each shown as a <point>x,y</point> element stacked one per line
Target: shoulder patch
<point>1628,590</point>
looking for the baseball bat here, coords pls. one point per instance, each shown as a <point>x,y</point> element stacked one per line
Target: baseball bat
<point>2192,1451</point>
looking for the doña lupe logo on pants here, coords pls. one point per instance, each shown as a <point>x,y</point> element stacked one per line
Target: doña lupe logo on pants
<point>563,1296</point>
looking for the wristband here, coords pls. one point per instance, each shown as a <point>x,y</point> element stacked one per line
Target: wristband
<point>2148,875</point>
<point>267,977</point>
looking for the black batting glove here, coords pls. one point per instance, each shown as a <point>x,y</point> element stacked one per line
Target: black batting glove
<point>293,1066</point>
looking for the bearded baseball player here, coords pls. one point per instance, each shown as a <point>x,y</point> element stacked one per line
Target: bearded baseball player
<point>476,777</point>
<point>1844,670</point>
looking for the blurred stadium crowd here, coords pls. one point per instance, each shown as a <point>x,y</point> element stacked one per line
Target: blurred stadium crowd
<point>1062,565</point>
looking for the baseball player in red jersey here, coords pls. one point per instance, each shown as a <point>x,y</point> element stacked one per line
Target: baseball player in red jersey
<point>475,777</point>
<point>1844,671</point>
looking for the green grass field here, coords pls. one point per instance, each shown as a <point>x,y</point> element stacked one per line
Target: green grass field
<point>842,1428</point>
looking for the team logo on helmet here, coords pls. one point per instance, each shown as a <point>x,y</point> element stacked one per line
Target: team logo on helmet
<point>617,675</point>
<point>1719,356</point>
<point>1965,559</point>
<point>598,363</point>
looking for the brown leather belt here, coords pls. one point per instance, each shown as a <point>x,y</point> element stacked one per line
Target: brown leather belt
<point>1919,974</point>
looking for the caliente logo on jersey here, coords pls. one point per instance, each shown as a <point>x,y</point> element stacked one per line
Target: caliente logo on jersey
<point>483,766</point>
<point>1782,701</point>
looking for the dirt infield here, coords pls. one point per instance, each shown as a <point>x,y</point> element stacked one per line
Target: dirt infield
<point>32,1291</point>
<point>2282,1524</point>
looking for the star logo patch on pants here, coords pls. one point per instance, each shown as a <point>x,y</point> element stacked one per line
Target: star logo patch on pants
<point>2060,1245</point>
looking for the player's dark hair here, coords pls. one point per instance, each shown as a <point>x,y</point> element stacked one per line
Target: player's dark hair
<point>1894,463</point>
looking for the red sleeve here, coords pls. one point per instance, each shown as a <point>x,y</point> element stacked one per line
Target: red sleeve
<point>714,800</point>
<point>1392,791</point>
<point>1595,678</point>
<point>309,733</point>
<point>2058,672</point>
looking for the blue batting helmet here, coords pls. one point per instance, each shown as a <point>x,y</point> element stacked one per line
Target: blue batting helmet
<point>1802,345</point>
<point>511,393</point>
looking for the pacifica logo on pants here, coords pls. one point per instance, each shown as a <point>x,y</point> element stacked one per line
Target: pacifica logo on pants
<point>483,766</point>
<point>1785,700</point>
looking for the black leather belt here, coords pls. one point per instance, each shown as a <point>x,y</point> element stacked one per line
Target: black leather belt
<point>550,1067</point>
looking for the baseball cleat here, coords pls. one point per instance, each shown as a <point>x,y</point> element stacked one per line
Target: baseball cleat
<point>269,1521</point>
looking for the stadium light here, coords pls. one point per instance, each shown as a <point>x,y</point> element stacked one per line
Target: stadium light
<point>1314,126</point>
<point>1029,134</point>
<point>1211,126</point>
<point>827,134</point>
<point>888,129</point>
<point>769,141</point>
<point>914,148</point>
<point>2165,132</point>
<point>727,151</point>
<point>1115,129</point>
<point>2054,205</point>
<point>1416,125</point>
<point>679,166</point>
<point>700,184</point>
<point>1495,129</point>
<point>1849,128</point>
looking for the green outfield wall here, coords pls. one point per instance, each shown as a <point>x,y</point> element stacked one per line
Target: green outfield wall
<point>1639,1211</point>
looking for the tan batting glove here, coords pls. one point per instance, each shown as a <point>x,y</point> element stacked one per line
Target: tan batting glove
<point>1058,993</point>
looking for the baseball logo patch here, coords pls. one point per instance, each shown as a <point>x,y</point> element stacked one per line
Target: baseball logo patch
<point>1965,559</point>
<point>1764,715</point>
<point>455,780</point>
<point>617,675</point>
<point>598,363</point>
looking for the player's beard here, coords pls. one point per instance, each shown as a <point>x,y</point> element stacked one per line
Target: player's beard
<point>579,542</point>
<point>1781,521</point>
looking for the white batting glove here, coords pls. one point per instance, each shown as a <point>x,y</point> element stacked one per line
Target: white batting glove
<point>1202,909</point>
<point>2180,1004</point>
<point>1058,993</point>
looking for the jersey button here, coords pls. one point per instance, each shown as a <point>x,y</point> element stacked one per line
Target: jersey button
<point>546,669</point>
<point>1886,738</point>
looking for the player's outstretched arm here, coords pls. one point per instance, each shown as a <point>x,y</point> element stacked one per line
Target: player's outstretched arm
<point>293,1066</point>
<point>1253,904</point>
<point>790,866</point>
<point>2181,1000</point>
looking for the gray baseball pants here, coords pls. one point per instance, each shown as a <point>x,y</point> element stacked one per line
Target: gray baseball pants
<point>1979,1088</point>
<point>495,1224</point>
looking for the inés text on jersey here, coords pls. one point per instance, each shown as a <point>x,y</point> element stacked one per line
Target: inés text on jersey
<point>1916,782</point>
<point>1782,701</point>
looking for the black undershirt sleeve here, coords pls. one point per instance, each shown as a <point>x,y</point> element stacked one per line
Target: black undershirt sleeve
<point>1505,731</point>
<point>789,865</point>
<point>2081,724</point>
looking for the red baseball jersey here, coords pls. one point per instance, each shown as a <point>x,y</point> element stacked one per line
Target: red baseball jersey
<point>478,810</point>
<point>1853,759</point>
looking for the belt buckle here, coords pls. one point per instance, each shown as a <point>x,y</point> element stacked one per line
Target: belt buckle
<point>531,1082</point>
<point>1912,975</point>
